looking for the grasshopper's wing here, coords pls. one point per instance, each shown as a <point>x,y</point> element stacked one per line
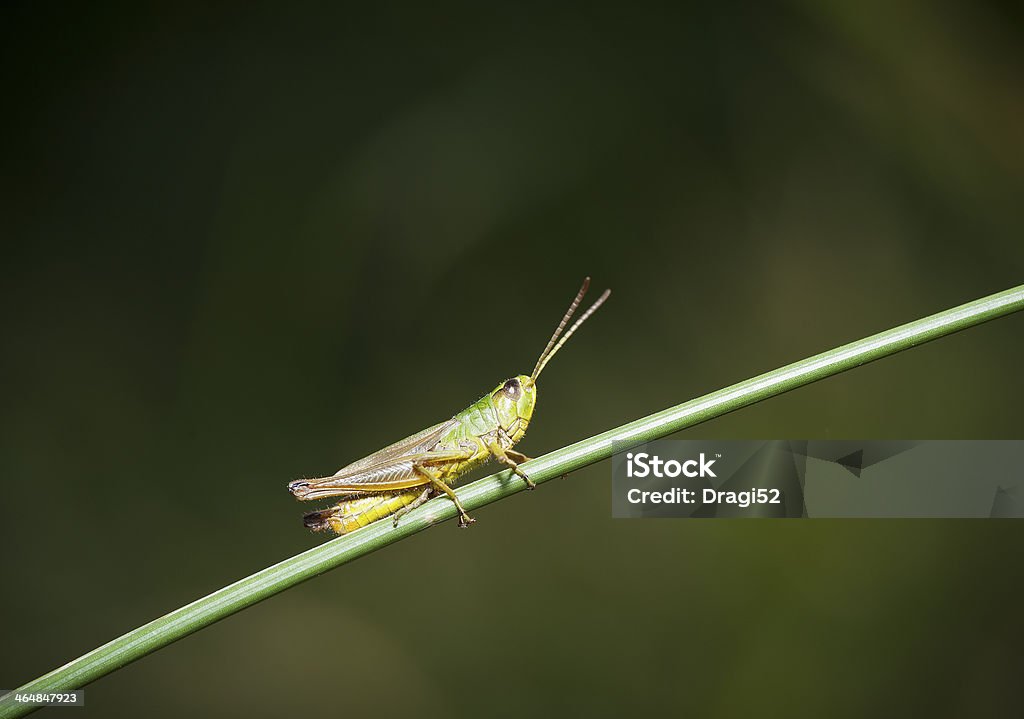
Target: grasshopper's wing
<point>420,442</point>
<point>389,469</point>
<point>389,476</point>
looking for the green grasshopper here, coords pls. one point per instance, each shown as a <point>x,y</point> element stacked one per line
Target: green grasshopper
<point>404,475</point>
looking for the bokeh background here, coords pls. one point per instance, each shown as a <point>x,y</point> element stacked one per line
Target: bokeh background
<point>250,243</point>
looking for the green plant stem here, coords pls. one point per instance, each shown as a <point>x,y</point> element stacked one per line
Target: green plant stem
<point>267,582</point>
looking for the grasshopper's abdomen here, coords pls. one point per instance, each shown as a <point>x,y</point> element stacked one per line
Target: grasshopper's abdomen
<point>352,514</point>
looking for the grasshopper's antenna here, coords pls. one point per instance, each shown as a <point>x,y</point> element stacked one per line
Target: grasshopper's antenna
<point>561,326</point>
<point>552,347</point>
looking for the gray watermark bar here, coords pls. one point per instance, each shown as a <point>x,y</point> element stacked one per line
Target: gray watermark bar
<point>819,478</point>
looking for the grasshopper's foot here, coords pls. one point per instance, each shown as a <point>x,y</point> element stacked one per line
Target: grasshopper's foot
<point>465,520</point>
<point>530,484</point>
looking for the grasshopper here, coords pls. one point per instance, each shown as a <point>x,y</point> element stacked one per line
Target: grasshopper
<point>404,475</point>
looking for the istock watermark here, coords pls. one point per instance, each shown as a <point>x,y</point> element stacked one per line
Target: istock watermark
<point>820,478</point>
<point>644,465</point>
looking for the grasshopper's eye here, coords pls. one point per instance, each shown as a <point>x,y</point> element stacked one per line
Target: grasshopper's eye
<point>512,389</point>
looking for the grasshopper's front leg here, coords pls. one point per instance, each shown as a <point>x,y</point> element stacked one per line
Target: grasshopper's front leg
<point>511,459</point>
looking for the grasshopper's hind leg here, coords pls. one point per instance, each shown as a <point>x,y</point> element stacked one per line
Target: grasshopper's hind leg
<point>412,505</point>
<point>464,519</point>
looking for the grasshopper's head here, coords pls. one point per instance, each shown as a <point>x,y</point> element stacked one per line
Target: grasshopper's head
<point>515,398</point>
<point>513,401</point>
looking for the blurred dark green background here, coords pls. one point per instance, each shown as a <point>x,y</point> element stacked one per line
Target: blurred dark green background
<point>250,243</point>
